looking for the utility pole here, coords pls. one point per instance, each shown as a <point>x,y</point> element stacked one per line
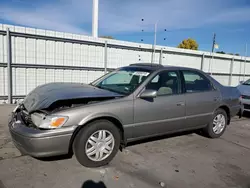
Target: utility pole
<point>154,43</point>
<point>155,33</point>
<point>213,42</point>
<point>9,65</point>
<point>95,18</point>
<point>244,75</point>
<point>212,54</point>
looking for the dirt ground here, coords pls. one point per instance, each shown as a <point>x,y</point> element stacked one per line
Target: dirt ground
<point>187,160</point>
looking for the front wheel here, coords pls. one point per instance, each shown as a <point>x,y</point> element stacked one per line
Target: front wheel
<point>218,124</point>
<point>96,144</point>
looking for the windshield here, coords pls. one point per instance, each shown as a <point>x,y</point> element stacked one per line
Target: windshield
<point>123,81</point>
<point>247,82</point>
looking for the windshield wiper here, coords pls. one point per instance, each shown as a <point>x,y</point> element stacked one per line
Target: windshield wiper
<point>98,87</point>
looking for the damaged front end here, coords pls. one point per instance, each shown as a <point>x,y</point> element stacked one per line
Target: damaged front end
<point>43,124</point>
<point>44,132</point>
<point>38,107</point>
<point>35,141</point>
<point>44,118</point>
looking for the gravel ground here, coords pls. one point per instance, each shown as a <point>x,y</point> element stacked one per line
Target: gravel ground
<point>187,160</point>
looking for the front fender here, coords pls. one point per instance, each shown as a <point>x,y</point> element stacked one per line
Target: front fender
<point>97,116</point>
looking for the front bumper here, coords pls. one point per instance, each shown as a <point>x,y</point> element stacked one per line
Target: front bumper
<point>246,104</point>
<point>36,142</point>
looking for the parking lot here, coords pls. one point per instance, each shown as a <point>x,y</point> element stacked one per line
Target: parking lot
<point>186,160</point>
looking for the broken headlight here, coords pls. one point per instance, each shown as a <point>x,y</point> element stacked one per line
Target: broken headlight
<point>48,122</point>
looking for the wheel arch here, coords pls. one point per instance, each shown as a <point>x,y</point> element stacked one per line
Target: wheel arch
<point>110,118</point>
<point>227,110</point>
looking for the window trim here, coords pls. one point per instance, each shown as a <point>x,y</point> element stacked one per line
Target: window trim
<point>200,74</point>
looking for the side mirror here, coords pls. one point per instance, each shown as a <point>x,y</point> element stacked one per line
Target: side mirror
<point>241,82</point>
<point>148,93</point>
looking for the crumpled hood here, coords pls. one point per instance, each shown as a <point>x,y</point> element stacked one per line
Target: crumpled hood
<point>45,95</point>
<point>244,89</point>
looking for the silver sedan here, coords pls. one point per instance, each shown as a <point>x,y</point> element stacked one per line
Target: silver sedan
<point>244,89</point>
<point>131,103</point>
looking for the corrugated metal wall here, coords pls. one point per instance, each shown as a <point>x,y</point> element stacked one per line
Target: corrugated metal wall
<point>32,51</point>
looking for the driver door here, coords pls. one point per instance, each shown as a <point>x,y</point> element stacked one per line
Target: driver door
<point>162,114</point>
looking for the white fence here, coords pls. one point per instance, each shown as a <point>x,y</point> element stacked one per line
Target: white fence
<point>40,56</point>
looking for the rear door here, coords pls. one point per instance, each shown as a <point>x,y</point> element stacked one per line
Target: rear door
<point>201,98</point>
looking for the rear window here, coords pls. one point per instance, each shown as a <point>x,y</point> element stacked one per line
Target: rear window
<point>196,82</point>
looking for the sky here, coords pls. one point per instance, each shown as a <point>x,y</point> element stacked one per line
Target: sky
<point>134,20</point>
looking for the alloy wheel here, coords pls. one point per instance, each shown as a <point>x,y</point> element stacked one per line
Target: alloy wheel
<point>99,145</point>
<point>219,123</point>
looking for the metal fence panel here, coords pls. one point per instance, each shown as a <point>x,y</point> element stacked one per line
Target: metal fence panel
<point>247,69</point>
<point>31,79</point>
<point>42,56</point>
<point>181,60</point>
<point>237,67</point>
<point>222,79</point>
<point>2,81</point>
<point>217,65</point>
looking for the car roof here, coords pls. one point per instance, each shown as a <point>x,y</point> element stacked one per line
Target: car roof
<point>154,66</point>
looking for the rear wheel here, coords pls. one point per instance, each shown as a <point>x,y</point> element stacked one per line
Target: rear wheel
<point>218,124</point>
<point>96,144</point>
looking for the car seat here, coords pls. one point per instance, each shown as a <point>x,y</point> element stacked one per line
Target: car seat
<point>164,91</point>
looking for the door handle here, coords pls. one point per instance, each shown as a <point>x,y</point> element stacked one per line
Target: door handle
<point>180,104</point>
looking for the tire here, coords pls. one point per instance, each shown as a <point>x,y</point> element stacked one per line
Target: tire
<point>82,143</point>
<point>209,130</point>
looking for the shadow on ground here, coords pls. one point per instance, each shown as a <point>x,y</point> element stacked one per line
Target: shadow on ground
<point>246,114</point>
<point>56,158</point>
<point>156,138</point>
<point>92,184</point>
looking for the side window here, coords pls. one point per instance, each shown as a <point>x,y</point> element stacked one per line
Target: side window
<point>155,80</point>
<point>196,82</point>
<point>165,83</point>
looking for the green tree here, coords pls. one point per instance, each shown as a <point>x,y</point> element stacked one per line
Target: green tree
<point>107,37</point>
<point>221,52</point>
<point>189,44</point>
